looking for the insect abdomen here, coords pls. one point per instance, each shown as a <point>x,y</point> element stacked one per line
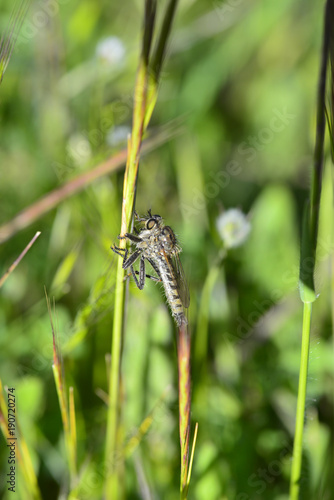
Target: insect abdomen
<point>172,293</point>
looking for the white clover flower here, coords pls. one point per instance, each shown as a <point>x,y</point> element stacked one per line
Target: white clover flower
<point>111,50</point>
<point>233,227</point>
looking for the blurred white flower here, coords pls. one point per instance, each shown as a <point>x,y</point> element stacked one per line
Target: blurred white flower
<point>79,149</point>
<point>117,136</point>
<point>233,227</point>
<point>111,50</point>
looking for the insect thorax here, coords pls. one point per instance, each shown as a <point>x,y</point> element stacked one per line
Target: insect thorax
<point>158,242</point>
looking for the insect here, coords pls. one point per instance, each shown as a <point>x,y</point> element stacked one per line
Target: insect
<point>157,244</point>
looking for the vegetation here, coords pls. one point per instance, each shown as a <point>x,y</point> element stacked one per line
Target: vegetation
<point>229,122</point>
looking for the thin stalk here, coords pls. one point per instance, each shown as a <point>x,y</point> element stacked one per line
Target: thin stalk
<point>130,179</point>
<point>30,475</point>
<point>141,115</point>
<point>67,411</point>
<point>160,50</point>
<point>183,354</point>
<point>298,441</point>
<point>73,433</point>
<point>158,58</point>
<point>191,460</point>
<point>129,191</point>
<point>308,255</point>
<point>8,39</point>
<point>18,260</point>
<point>321,126</point>
<point>201,345</point>
<point>311,220</point>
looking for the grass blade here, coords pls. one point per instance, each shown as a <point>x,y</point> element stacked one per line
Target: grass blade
<point>183,354</point>
<point>8,39</point>
<point>139,124</point>
<point>308,255</point>
<point>18,260</point>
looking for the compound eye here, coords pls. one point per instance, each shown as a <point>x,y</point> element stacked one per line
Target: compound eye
<point>151,223</point>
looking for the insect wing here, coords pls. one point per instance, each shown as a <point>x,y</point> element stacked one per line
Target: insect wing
<point>181,281</point>
<point>176,270</point>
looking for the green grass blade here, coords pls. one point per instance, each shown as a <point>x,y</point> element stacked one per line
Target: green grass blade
<point>8,39</point>
<point>298,442</point>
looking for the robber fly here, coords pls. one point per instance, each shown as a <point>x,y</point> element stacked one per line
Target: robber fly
<point>157,244</point>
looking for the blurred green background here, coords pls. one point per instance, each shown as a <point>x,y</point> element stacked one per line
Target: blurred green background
<point>241,78</point>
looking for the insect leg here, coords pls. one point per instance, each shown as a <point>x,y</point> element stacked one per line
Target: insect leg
<point>142,273</point>
<point>141,282</point>
<point>119,251</point>
<point>153,278</point>
<point>131,237</point>
<point>128,262</point>
<point>133,272</point>
<point>155,267</point>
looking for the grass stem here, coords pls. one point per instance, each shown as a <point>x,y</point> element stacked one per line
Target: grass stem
<point>298,441</point>
<point>18,260</point>
<point>183,352</point>
<point>141,115</point>
<point>308,255</point>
